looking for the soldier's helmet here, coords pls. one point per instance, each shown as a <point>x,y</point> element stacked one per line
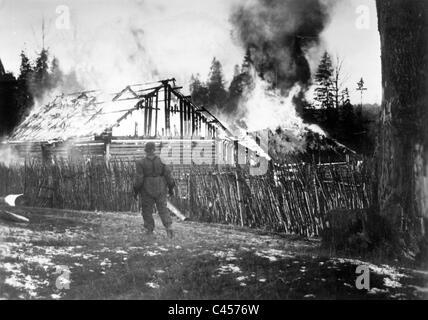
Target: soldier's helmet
<point>150,147</point>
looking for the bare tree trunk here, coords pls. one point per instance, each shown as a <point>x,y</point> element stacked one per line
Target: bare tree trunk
<point>402,149</point>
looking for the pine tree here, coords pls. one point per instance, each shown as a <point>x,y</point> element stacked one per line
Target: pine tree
<point>35,79</point>
<point>247,63</point>
<point>217,94</point>
<point>25,69</point>
<point>336,82</point>
<point>198,91</point>
<point>56,76</point>
<point>361,88</point>
<point>324,82</point>
<point>8,108</point>
<point>25,83</point>
<point>344,98</point>
<point>236,89</point>
<point>242,82</point>
<point>347,121</point>
<point>41,77</point>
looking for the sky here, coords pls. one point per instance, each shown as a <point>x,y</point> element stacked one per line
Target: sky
<point>112,43</point>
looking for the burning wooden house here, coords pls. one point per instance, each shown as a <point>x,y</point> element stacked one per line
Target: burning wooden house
<point>117,126</point>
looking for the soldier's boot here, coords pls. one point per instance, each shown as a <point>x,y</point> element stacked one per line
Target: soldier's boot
<point>147,212</point>
<point>165,215</point>
<point>170,233</point>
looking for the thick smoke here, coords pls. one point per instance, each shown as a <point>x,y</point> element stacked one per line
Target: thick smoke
<point>277,34</point>
<point>8,155</point>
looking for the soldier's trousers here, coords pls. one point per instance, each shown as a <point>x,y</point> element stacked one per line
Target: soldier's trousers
<point>147,203</point>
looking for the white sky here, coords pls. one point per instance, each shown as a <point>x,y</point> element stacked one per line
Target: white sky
<point>176,38</point>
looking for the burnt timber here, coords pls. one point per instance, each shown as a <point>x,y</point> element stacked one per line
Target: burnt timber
<point>116,127</point>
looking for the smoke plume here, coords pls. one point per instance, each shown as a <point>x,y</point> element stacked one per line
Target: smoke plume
<point>277,34</point>
<point>8,156</point>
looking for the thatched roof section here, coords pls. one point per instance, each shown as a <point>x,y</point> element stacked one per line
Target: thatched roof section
<point>91,113</point>
<point>73,116</point>
<point>80,115</point>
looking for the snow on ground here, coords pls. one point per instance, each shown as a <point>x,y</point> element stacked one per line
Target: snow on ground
<point>391,275</point>
<point>273,254</point>
<point>60,255</point>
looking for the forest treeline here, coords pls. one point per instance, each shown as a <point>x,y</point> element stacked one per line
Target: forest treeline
<point>353,124</point>
<point>36,77</point>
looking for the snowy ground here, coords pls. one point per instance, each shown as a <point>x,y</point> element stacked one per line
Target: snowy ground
<point>84,255</point>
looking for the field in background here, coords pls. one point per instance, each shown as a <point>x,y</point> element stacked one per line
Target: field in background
<point>293,199</point>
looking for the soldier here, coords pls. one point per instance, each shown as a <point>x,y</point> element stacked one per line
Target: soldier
<point>153,180</point>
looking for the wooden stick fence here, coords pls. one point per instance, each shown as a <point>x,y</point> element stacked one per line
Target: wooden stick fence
<point>291,199</point>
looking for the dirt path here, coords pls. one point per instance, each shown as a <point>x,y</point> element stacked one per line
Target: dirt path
<point>85,255</point>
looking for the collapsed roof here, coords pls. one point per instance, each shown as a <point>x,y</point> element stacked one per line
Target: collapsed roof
<point>85,115</point>
<point>88,114</point>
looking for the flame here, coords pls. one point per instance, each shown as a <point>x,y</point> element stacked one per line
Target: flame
<point>265,108</point>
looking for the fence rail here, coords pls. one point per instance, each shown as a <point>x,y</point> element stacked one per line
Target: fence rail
<point>291,199</point>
